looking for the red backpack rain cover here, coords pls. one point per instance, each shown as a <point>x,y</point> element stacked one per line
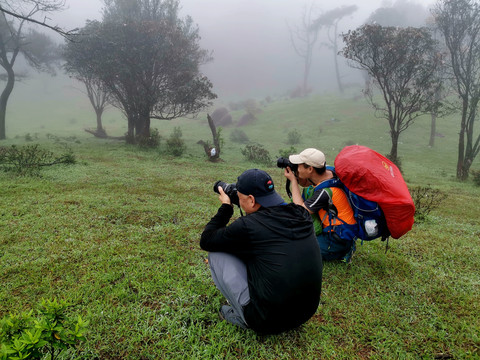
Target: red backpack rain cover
<point>373,177</point>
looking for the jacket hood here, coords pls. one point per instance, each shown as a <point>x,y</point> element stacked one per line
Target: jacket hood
<point>284,218</point>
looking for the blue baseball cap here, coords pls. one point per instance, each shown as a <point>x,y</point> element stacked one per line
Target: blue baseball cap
<point>259,184</point>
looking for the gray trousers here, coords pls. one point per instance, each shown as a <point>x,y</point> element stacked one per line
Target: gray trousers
<point>229,274</point>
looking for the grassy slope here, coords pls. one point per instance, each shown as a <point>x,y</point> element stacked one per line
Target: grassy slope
<point>117,235</point>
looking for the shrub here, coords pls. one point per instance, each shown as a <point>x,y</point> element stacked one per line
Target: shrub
<point>293,137</point>
<point>175,144</point>
<point>23,336</point>
<point>221,117</point>
<point>28,160</point>
<point>151,142</point>
<point>257,153</point>
<point>250,106</point>
<point>285,153</point>
<point>426,199</point>
<point>476,177</point>
<point>246,119</point>
<point>239,136</point>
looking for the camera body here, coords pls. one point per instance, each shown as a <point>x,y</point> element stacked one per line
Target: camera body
<point>229,189</point>
<point>284,162</point>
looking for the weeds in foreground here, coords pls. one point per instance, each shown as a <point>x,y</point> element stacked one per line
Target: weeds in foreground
<point>25,336</point>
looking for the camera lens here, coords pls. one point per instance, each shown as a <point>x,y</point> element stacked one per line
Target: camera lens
<point>284,162</point>
<point>229,189</point>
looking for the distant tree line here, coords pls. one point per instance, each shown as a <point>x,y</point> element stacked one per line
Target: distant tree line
<point>411,69</point>
<point>145,60</point>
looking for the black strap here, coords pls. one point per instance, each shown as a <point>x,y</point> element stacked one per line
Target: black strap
<point>287,188</point>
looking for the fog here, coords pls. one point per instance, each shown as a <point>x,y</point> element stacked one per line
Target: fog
<point>250,42</point>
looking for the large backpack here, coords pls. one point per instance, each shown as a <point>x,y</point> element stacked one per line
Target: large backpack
<point>375,178</point>
<point>377,193</point>
<point>370,220</point>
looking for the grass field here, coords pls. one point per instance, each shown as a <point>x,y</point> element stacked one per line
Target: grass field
<point>117,236</point>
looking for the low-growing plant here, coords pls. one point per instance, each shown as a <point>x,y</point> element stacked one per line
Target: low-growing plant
<point>285,153</point>
<point>239,136</point>
<point>476,177</point>
<point>293,137</point>
<point>426,199</point>
<point>25,336</point>
<point>175,144</point>
<point>28,160</point>
<point>59,139</point>
<point>256,153</point>
<point>151,142</point>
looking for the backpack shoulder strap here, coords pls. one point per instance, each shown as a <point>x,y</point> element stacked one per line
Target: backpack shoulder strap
<point>335,182</point>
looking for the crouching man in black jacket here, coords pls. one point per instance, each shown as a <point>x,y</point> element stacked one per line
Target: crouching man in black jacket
<point>268,263</point>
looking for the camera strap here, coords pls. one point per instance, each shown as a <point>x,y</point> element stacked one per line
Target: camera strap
<point>287,188</point>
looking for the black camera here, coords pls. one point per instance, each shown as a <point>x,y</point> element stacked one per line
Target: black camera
<point>229,189</point>
<point>284,162</point>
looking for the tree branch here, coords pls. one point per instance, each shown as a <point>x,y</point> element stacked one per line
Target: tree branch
<point>57,29</point>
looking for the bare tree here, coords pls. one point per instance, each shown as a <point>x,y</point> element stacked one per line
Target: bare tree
<point>330,21</point>
<point>213,151</point>
<point>303,40</point>
<point>459,22</point>
<point>37,48</point>
<point>402,63</point>
<point>28,10</point>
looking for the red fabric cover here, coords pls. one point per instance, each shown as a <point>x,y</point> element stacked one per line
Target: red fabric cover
<point>372,176</point>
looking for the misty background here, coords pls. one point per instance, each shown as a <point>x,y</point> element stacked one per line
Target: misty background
<point>250,42</point>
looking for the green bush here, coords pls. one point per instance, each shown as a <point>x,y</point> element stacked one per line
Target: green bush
<point>23,336</point>
<point>426,199</point>
<point>153,141</point>
<point>285,153</point>
<point>239,136</point>
<point>257,153</point>
<point>175,144</point>
<point>28,160</point>
<point>293,137</point>
<point>476,177</point>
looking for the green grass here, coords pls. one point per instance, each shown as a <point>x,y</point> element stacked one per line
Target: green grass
<point>117,235</point>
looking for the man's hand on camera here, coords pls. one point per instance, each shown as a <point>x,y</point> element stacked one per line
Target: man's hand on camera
<point>290,175</point>
<point>224,198</point>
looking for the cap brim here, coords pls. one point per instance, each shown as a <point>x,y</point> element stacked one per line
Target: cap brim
<point>295,159</point>
<point>273,199</point>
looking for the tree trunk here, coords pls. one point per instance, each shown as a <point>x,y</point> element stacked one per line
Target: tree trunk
<point>142,127</point>
<point>4,100</point>
<point>461,145</point>
<point>306,72</point>
<point>100,129</point>
<point>131,129</point>
<point>335,54</point>
<point>433,129</point>
<point>393,156</point>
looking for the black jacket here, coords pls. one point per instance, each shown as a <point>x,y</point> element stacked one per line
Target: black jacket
<point>284,264</point>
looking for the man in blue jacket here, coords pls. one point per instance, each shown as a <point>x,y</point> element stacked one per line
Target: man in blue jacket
<point>267,263</point>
